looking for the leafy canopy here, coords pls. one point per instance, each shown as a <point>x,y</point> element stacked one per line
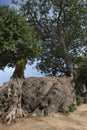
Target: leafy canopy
<point>17,40</point>
<point>62,25</point>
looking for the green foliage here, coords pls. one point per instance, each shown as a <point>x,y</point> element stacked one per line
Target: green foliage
<point>17,40</point>
<point>62,26</point>
<point>72,108</point>
<point>79,100</point>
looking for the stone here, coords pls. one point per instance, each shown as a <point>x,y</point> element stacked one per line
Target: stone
<point>43,95</point>
<point>47,95</point>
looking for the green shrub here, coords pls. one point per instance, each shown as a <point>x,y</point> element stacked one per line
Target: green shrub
<point>72,108</point>
<point>79,100</point>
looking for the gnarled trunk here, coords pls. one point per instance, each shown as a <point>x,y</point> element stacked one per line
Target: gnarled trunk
<point>14,109</point>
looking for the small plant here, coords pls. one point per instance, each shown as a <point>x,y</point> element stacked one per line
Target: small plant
<point>79,100</point>
<point>72,108</point>
<point>65,113</point>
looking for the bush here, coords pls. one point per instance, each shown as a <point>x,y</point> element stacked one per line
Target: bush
<point>79,100</point>
<point>72,108</point>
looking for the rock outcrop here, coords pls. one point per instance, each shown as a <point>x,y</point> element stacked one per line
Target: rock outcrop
<point>42,95</point>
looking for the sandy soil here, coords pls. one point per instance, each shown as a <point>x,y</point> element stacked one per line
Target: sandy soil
<point>73,121</point>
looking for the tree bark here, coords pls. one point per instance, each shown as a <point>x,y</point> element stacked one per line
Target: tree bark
<point>14,97</point>
<point>60,36</point>
<point>66,57</point>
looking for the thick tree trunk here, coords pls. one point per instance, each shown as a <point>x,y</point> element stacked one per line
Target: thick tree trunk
<point>14,94</point>
<point>66,58</point>
<point>19,68</point>
<point>60,36</point>
<point>65,54</point>
<point>14,97</point>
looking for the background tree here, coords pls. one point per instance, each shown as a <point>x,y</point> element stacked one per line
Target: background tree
<point>62,25</point>
<point>18,45</point>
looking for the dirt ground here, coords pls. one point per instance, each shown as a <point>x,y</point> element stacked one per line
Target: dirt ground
<point>73,121</point>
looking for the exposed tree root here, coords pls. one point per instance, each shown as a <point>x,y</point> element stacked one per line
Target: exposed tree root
<point>14,110</point>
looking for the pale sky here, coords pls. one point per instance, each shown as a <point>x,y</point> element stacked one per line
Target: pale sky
<point>29,72</point>
<point>7,73</point>
<point>5,2</point>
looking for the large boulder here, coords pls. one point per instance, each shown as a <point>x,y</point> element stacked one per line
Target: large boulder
<point>47,95</point>
<point>43,95</point>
